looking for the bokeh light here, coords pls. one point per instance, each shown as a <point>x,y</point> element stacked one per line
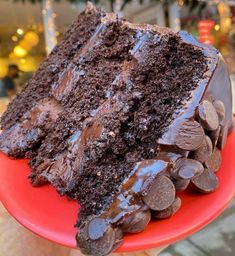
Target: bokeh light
<point>20,31</point>
<point>31,38</point>
<point>19,51</point>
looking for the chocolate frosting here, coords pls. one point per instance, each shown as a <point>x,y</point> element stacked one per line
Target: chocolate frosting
<point>127,202</point>
<point>209,87</point>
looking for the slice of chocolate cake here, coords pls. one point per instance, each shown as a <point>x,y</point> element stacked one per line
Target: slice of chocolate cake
<point>120,117</point>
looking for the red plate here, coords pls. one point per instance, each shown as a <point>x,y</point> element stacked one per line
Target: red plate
<point>47,214</point>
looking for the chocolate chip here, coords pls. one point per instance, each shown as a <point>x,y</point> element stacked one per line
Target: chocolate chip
<point>214,160</point>
<point>119,234</point>
<point>136,222</point>
<point>187,169</point>
<point>204,151</point>
<point>118,238</point>
<point>214,135</point>
<point>171,156</point>
<point>206,182</point>
<point>168,212</point>
<point>159,194</point>
<point>189,136</point>
<point>220,109</point>
<point>171,151</point>
<point>180,184</point>
<point>92,246</point>
<point>222,137</point>
<point>208,115</point>
<point>97,228</point>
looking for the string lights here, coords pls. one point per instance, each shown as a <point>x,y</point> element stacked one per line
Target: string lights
<point>20,31</point>
<point>174,16</point>
<point>225,17</point>
<point>217,27</point>
<point>14,38</point>
<point>49,25</point>
<point>118,6</point>
<point>28,41</point>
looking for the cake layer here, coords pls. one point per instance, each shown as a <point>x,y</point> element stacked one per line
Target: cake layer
<point>151,186</point>
<point>128,125</point>
<point>77,102</point>
<point>49,71</point>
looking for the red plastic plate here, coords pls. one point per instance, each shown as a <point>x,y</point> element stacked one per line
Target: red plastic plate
<point>44,212</point>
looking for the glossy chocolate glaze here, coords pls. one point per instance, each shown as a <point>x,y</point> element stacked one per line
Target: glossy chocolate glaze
<point>128,200</point>
<point>209,87</point>
<point>31,127</point>
<point>219,88</point>
<point>59,171</point>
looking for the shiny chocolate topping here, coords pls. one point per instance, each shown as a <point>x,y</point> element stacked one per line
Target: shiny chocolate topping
<point>128,198</point>
<point>142,189</point>
<point>209,87</point>
<point>30,129</point>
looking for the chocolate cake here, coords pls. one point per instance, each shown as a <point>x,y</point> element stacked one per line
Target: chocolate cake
<point>120,117</point>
